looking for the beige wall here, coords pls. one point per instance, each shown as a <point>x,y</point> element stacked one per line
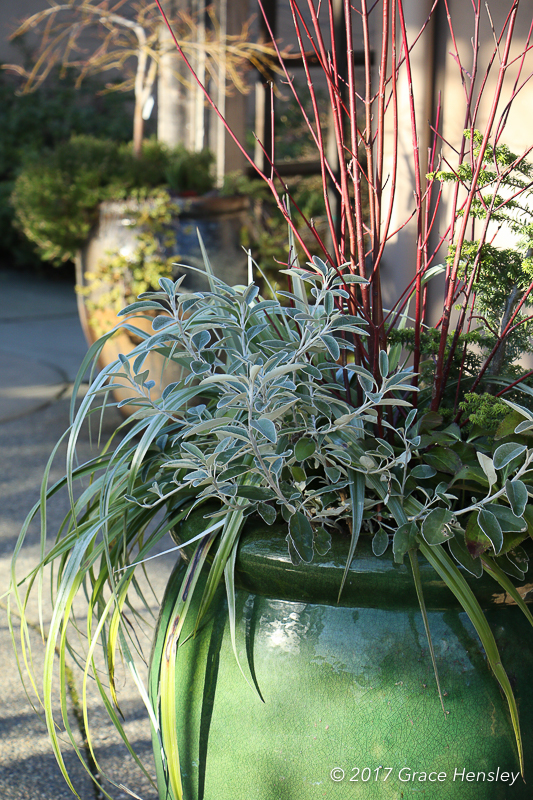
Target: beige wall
<point>435,70</point>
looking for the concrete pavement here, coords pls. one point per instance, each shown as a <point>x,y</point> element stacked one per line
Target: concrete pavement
<point>41,346</point>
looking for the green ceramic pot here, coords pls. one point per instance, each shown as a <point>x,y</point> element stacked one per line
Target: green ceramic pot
<point>341,700</point>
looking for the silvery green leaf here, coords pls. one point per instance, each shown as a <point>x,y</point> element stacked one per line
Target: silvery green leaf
<point>353,279</point>
<point>459,551</point>
<point>219,378</point>
<point>423,472</point>
<point>516,492</point>
<point>208,425</point>
<point>268,513</point>
<point>521,409</point>
<point>511,567</point>
<point>189,447</point>
<point>199,367</point>
<point>141,377</point>
<point>404,539</point>
<point>284,369</point>
<point>293,553</point>
<point>178,282</point>
<point>366,384</point>
<point>158,323</point>
<point>255,493</point>
<point>266,427</point>
<point>309,369</point>
<point>487,466</point>
<point>520,558</point>
<point>332,345</point>
<point>304,448</point>
<point>197,476</point>
<point>201,339</point>
<point>329,303</point>
<point>255,330</point>
<point>149,384</point>
<point>333,473</point>
<point>231,399</point>
<point>301,533</point>
<point>298,474</point>
<point>380,542</point>
<point>277,465</point>
<point>234,472</point>
<point>509,522</point>
<point>361,371</point>
<point>320,265</point>
<point>345,419</point>
<point>167,285</point>
<point>524,426</point>
<point>386,447</point>
<point>139,361</point>
<point>505,453</point>
<point>340,455</point>
<point>281,410</point>
<point>435,526</point>
<point>265,304</point>
<point>410,418</point>
<point>491,528</point>
<point>441,491</point>
<point>161,441</point>
<point>250,293</point>
<point>322,541</point>
<point>125,402</point>
<point>228,489</point>
<point>140,305</point>
<point>383,364</point>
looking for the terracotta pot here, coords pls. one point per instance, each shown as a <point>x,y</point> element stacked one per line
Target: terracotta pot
<point>342,700</point>
<point>219,220</point>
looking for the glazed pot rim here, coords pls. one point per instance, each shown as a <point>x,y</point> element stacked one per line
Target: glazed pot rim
<point>263,566</point>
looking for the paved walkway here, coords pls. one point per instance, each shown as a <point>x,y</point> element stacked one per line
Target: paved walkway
<point>41,346</point>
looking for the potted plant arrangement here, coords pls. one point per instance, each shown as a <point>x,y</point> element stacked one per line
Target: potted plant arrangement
<point>347,484</point>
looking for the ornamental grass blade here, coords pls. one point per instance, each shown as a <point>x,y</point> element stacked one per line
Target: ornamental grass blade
<point>110,707</point>
<point>207,264</point>
<point>357,497</point>
<point>72,580</point>
<point>233,525</point>
<point>90,358</point>
<point>167,675</point>
<point>413,558</point>
<point>229,578</point>
<point>445,567</point>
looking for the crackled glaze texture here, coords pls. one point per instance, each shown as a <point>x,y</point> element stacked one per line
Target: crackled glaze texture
<point>347,686</point>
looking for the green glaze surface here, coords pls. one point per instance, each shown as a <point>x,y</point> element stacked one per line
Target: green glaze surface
<point>347,686</point>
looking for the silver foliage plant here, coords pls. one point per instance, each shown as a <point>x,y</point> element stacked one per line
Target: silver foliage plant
<point>267,422</point>
<point>276,433</point>
<point>274,417</point>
